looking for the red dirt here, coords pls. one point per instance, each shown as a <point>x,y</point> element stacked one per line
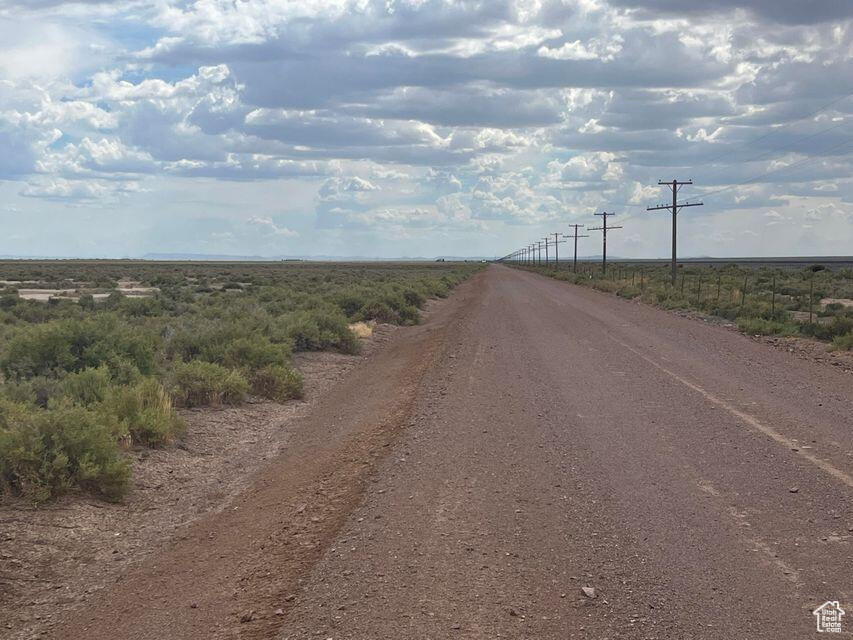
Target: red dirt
<point>530,439</point>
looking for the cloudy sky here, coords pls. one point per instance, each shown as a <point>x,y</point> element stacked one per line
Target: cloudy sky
<point>422,127</point>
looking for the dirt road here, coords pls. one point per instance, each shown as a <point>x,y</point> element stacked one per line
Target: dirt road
<point>531,439</point>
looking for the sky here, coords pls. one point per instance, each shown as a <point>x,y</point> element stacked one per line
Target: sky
<point>389,128</point>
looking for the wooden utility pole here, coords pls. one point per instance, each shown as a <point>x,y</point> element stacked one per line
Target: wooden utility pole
<point>539,262</point>
<point>674,186</point>
<point>575,236</point>
<point>556,244</point>
<point>603,228</point>
<point>546,251</point>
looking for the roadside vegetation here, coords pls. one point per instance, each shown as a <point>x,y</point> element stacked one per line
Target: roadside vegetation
<point>102,355</point>
<point>814,302</point>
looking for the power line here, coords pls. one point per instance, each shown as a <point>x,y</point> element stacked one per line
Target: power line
<point>779,128</point>
<point>603,228</point>
<point>777,170</point>
<point>784,149</point>
<point>575,236</point>
<point>675,185</point>
<point>556,244</point>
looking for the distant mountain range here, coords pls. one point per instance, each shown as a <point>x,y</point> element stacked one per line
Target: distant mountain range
<point>232,258</point>
<point>216,257</point>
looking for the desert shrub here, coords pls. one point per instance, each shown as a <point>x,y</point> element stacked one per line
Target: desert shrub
<point>277,382</point>
<point>45,453</point>
<point>73,345</point>
<point>35,350</point>
<point>87,302</point>
<point>317,330</point>
<point>843,342</point>
<point>839,326</point>
<point>414,298</point>
<point>144,411</point>
<point>140,306</point>
<point>38,391</point>
<point>202,340</point>
<point>201,383</point>
<point>378,310</point>
<point>763,326</point>
<point>88,386</point>
<point>254,352</point>
<point>628,292</point>
<point>350,302</point>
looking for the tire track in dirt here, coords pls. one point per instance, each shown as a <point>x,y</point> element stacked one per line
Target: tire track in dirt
<point>235,574</point>
<point>545,456</point>
<point>519,446</point>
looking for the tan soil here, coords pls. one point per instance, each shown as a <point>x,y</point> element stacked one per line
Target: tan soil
<point>847,302</point>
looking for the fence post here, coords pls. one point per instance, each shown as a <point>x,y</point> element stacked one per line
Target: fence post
<point>773,298</point>
<point>719,282</point>
<point>699,290</point>
<point>811,297</point>
<point>682,284</point>
<point>743,292</point>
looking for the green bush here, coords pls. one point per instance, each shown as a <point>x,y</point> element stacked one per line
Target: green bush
<point>39,391</point>
<point>201,383</point>
<point>87,302</point>
<point>73,345</point>
<point>380,311</point>
<point>763,326</point>
<point>277,382</point>
<point>255,352</point>
<point>45,453</point>
<point>37,350</point>
<point>317,330</point>
<point>843,342</point>
<point>88,386</point>
<point>144,411</point>
<point>838,327</point>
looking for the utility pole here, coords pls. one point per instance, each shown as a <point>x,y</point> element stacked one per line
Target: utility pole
<point>674,186</point>
<point>546,251</point>
<point>603,228</point>
<point>575,236</point>
<point>556,243</point>
<point>539,262</point>
<point>532,255</point>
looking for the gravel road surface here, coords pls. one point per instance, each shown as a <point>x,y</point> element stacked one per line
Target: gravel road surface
<point>537,460</point>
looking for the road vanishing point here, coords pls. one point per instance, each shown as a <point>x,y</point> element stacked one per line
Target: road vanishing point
<point>535,460</point>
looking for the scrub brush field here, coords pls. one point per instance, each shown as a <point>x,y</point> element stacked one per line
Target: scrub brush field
<point>96,357</point>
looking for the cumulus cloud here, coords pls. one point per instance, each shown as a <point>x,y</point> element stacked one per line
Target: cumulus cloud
<point>428,115</point>
<point>267,226</point>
